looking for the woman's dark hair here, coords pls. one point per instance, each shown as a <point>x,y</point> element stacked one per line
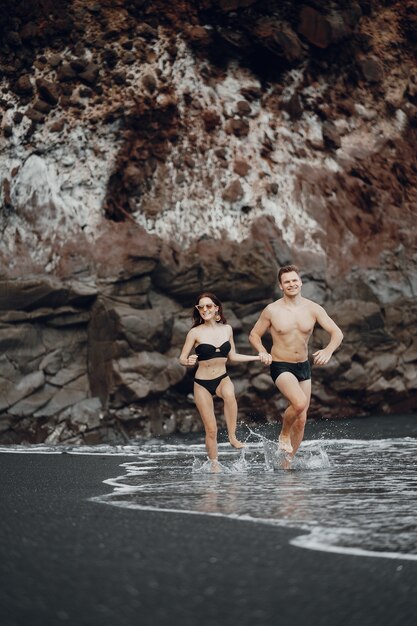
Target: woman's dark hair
<point>197,319</point>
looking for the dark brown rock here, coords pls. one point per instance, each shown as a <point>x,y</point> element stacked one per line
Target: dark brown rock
<point>6,188</point>
<point>211,120</point>
<point>54,60</point>
<point>129,58</point>
<point>233,192</point>
<point>119,78</point>
<point>331,135</point>
<point>149,82</point>
<point>272,188</point>
<point>279,38</point>
<point>35,116</point>
<point>42,106</point>
<point>198,35</point>
<point>79,65</point>
<point>243,108</point>
<point>241,167</point>
<point>293,107</point>
<point>65,73</point>
<point>24,85</point>
<point>315,27</point>
<point>57,126</point>
<point>134,177</point>
<point>86,92</point>
<point>372,70</point>
<point>237,127</point>
<point>90,74</point>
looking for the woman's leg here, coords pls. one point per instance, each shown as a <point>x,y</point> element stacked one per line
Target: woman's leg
<point>204,404</point>
<point>226,392</point>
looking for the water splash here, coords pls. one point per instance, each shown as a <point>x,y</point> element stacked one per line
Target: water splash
<point>311,458</point>
<point>237,466</point>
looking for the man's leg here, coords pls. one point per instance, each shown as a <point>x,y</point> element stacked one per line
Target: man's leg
<point>297,428</point>
<point>298,398</point>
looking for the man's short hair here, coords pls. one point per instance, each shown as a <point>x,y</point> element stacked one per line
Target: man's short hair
<point>286,269</point>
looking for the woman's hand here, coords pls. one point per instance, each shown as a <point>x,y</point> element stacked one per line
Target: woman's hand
<point>191,360</point>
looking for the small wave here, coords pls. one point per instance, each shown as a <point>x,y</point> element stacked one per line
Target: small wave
<point>238,466</point>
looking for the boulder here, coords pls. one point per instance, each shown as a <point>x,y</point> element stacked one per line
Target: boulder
<point>73,392</point>
<point>14,391</point>
<point>28,294</point>
<point>144,374</point>
<point>145,329</point>
<point>250,274</point>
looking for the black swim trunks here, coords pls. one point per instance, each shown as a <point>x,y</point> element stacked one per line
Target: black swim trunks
<point>302,371</point>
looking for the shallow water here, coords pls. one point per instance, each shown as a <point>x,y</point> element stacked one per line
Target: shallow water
<point>354,493</point>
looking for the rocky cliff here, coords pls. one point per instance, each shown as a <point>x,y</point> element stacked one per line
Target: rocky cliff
<point>151,149</point>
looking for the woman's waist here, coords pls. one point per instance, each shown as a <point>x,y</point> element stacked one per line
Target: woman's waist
<point>209,372</point>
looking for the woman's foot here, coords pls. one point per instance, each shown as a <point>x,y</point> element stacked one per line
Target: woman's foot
<point>236,443</point>
<point>215,467</point>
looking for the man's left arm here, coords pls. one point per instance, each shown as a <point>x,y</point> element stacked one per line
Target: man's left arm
<point>323,356</point>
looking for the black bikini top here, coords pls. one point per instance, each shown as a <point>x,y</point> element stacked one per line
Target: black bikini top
<point>206,351</point>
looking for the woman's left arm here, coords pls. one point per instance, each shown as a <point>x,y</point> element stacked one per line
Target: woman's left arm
<point>234,357</point>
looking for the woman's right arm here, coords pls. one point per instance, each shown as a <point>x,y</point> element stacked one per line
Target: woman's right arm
<point>185,358</point>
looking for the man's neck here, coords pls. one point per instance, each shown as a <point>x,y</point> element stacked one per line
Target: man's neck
<point>292,300</point>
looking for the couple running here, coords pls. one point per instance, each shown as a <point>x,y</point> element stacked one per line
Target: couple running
<point>290,321</point>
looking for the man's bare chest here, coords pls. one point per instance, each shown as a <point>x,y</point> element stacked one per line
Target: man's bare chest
<point>286,321</point>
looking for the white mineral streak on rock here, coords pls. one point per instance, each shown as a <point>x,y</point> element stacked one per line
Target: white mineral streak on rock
<point>58,185</point>
<point>197,209</point>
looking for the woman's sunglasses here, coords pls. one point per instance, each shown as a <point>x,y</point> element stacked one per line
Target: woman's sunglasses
<point>201,307</point>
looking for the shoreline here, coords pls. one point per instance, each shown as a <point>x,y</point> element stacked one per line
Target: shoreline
<point>67,559</point>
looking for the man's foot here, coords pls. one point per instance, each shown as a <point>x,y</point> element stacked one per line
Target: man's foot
<point>236,443</point>
<point>285,444</point>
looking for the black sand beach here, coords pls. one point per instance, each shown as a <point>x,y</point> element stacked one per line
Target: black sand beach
<point>67,560</point>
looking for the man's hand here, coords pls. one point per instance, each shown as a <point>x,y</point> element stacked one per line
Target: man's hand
<point>265,358</point>
<point>321,357</point>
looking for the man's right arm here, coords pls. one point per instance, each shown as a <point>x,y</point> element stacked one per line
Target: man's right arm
<point>257,332</point>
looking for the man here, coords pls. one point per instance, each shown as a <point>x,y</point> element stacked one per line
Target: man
<point>291,321</point>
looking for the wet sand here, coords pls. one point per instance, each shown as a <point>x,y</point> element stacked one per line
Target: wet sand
<point>66,560</point>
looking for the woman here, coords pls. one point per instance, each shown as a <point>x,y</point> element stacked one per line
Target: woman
<point>212,339</point>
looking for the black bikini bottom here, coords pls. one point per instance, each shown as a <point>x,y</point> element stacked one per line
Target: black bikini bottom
<point>301,371</point>
<point>211,384</point>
